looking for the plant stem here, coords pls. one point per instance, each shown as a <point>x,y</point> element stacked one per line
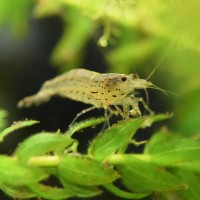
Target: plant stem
<point>44,161</point>
<point>118,159</point>
<point>115,159</point>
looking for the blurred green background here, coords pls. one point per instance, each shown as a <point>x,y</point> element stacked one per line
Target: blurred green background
<point>40,39</point>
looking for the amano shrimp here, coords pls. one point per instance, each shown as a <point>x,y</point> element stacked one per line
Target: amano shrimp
<point>113,92</point>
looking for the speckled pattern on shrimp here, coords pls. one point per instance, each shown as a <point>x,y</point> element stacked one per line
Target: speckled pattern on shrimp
<point>100,90</point>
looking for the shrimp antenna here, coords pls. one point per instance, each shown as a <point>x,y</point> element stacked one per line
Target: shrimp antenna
<point>166,92</point>
<point>160,89</point>
<point>158,64</point>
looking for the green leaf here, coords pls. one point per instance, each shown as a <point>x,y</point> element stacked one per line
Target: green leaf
<point>187,112</point>
<point>124,194</point>
<point>85,171</point>
<point>15,13</point>
<point>155,118</point>
<point>3,115</point>
<point>192,181</point>
<point>165,19</point>
<point>43,143</point>
<point>16,126</point>
<point>114,138</point>
<point>168,149</point>
<point>76,33</point>
<point>119,135</point>
<point>49,192</point>
<point>20,192</point>
<point>142,176</point>
<point>80,190</point>
<point>96,9</point>
<point>14,173</point>
<point>131,52</point>
<point>84,124</point>
<point>47,8</point>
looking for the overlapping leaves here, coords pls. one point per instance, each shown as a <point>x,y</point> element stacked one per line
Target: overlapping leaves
<point>159,169</point>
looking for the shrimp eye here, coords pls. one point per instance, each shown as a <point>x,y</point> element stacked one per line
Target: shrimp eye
<point>123,79</point>
<point>134,76</point>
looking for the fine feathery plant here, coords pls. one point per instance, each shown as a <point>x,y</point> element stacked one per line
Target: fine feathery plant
<point>160,169</point>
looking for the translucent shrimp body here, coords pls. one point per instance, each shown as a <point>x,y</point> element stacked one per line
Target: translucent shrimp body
<point>100,90</point>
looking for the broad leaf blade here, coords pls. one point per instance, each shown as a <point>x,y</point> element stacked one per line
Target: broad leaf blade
<point>14,173</point>
<point>51,193</point>
<point>43,143</point>
<point>141,176</point>
<point>124,194</point>
<point>192,181</point>
<point>85,171</point>
<point>119,135</point>
<point>19,192</point>
<point>168,149</point>
<point>80,190</point>
<point>114,138</point>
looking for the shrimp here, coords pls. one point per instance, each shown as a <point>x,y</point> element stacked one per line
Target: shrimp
<point>106,90</point>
